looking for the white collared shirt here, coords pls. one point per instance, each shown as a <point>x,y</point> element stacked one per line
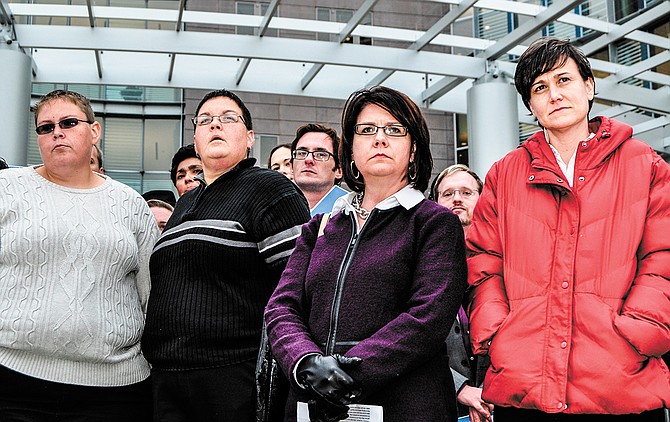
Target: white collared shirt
<point>407,197</point>
<point>569,168</point>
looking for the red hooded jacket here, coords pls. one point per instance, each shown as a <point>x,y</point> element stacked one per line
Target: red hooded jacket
<point>571,295</point>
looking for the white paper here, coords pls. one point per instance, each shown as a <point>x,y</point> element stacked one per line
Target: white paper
<point>357,413</point>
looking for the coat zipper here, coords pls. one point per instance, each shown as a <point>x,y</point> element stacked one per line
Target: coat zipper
<point>339,286</point>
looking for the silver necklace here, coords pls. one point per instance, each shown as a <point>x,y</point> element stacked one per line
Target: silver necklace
<point>356,203</point>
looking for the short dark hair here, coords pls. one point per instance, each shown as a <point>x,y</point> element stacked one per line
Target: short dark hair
<point>455,168</point>
<point>74,97</point>
<point>163,195</point>
<point>317,127</point>
<point>3,164</point>
<point>187,151</point>
<point>543,55</point>
<point>246,115</point>
<point>280,146</point>
<point>406,112</point>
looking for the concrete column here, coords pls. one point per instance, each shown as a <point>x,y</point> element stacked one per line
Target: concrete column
<point>493,121</point>
<point>15,68</point>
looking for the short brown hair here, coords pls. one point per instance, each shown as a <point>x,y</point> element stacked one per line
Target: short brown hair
<point>316,127</point>
<point>75,98</point>
<point>543,55</point>
<point>159,204</point>
<point>455,168</point>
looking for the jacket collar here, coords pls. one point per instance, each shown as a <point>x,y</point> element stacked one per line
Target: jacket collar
<point>609,135</point>
<point>407,197</point>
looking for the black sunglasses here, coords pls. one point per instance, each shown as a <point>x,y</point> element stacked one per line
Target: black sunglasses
<point>68,123</point>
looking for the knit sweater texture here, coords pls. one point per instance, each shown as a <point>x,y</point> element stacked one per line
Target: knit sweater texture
<point>215,266</point>
<point>74,280</point>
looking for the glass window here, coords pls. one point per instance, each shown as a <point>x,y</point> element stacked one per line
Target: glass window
<point>161,141</point>
<point>262,147</point>
<point>461,144</point>
<point>254,9</point>
<point>123,143</point>
<point>341,16</point>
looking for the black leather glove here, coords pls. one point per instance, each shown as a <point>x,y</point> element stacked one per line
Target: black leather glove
<point>326,379</point>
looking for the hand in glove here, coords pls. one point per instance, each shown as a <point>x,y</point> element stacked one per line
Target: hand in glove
<point>332,388</point>
<point>326,379</point>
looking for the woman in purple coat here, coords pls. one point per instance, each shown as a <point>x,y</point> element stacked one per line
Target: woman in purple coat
<point>362,310</point>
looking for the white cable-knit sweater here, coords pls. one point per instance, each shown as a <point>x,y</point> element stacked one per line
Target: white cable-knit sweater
<point>74,280</point>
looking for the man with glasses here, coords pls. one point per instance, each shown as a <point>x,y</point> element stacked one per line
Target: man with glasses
<point>213,270</point>
<point>457,187</point>
<point>316,166</point>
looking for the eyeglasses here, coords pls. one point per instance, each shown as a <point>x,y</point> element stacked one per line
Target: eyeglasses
<point>68,123</point>
<point>205,119</point>
<point>389,130</point>
<point>465,193</point>
<point>302,154</point>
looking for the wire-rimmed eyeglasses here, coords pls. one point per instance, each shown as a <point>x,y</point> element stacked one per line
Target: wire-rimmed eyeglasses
<point>449,194</point>
<point>206,119</point>
<point>367,129</point>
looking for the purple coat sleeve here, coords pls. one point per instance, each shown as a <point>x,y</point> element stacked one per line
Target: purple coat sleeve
<point>286,314</point>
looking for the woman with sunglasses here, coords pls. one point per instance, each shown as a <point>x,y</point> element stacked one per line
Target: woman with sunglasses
<point>362,310</point>
<point>74,279</point>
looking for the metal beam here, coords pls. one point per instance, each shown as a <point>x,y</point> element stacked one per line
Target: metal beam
<point>435,30</point>
<point>91,22</point>
<point>180,15</point>
<point>632,95</point>
<point>355,20</point>
<point>269,13</point>
<point>6,23</point>
<point>242,70</point>
<point>650,125</point>
<point>439,88</point>
<point>129,41</point>
<point>551,13</point>
<point>617,110</point>
<point>6,16</point>
<point>310,25</point>
<point>505,44</point>
<point>643,66</point>
<point>177,28</point>
<point>341,38</point>
<point>620,31</point>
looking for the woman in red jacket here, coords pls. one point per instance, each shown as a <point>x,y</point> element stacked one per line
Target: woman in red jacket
<point>569,256</point>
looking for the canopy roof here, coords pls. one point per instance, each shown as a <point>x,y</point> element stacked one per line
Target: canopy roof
<point>167,55</point>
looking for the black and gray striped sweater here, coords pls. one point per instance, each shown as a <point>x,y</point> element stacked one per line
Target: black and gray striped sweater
<point>215,266</point>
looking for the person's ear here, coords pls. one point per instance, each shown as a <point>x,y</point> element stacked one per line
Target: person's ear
<point>250,139</point>
<point>590,88</point>
<point>96,130</point>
